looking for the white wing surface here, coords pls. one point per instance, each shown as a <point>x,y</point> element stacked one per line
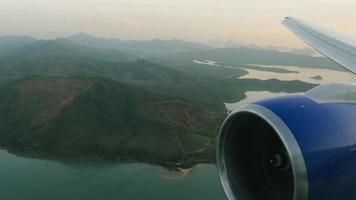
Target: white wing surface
<point>338,47</point>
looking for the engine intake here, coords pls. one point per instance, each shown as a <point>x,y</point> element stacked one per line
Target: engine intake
<point>258,157</point>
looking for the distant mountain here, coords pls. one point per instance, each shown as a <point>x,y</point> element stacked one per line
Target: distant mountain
<point>8,44</point>
<point>235,44</point>
<point>53,59</point>
<point>99,119</point>
<point>301,51</point>
<point>225,43</point>
<point>16,40</point>
<point>62,47</point>
<point>175,75</point>
<point>305,51</point>
<point>146,47</point>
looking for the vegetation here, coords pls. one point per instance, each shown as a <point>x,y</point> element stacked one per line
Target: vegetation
<point>65,100</point>
<point>99,119</point>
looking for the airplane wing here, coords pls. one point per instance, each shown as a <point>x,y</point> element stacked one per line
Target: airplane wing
<point>338,47</point>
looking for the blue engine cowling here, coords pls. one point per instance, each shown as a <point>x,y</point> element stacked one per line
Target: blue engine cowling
<point>295,147</point>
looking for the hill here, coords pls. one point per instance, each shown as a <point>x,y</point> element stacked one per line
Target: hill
<point>9,44</point>
<point>147,48</point>
<point>204,85</point>
<point>177,75</point>
<point>140,72</point>
<point>179,55</point>
<point>62,57</point>
<point>100,119</point>
<point>44,48</point>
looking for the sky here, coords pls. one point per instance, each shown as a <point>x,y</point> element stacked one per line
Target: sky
<point>245,21</point>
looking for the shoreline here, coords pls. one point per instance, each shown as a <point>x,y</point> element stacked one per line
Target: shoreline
<point>177,166</point>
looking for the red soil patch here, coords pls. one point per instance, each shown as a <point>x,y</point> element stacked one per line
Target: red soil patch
<point>46,98</point>
<point>176,112</point>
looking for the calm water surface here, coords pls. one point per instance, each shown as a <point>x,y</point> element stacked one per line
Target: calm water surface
<point>37,179</point>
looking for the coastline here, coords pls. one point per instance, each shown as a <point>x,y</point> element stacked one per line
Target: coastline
<point>178,165</point>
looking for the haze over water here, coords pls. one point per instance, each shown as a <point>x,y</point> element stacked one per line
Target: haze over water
<point>28,178</point>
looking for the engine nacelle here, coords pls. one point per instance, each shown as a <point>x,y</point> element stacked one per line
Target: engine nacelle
<point>295,147</point>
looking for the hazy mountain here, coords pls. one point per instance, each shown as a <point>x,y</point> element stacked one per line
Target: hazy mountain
<point>8,44</point>
<point>175,75</point>
<point>145,47</point>
<point>224,43</point>
<point>57,64</point>
<point>60,57</point>
<point>235,44</point>
<point>305,51</point>
<point>16,40</point>
<point>62,47</point>
<point>100,119</point>
<point>266,47</point>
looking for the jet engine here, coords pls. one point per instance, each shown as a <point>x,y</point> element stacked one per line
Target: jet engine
<point>295,147</point>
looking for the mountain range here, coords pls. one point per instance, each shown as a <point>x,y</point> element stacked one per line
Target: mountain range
<point>18,51</point>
